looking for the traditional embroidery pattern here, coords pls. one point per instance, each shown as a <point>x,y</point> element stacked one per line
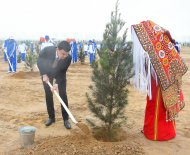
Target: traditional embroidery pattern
<point>166,61</point>
<point>161,54</point>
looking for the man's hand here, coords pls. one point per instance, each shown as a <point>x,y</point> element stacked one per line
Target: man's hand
<point>55,87</point>
<point>45,78</point>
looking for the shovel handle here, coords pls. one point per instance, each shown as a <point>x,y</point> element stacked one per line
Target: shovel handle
<point>65,107</point>
<point>9,61</point>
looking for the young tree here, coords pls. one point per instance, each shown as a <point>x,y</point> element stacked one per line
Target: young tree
<point>81,55</point>
<point>111,74</point>
<point>31,60</point>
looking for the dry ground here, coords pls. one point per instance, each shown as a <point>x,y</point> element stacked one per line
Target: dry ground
<point>22,103</point>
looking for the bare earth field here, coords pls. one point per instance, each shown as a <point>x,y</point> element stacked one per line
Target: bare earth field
<point>22,103</point>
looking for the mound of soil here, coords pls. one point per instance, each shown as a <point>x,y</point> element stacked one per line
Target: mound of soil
<point>25,75</point>
<point>115,135</point>
<point>80,145</point>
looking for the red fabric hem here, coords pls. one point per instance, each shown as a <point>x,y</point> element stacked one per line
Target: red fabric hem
<point>155,125</point>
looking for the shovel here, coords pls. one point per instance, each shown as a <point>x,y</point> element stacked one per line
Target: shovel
<point>9,61</point>
<point>82,126</point>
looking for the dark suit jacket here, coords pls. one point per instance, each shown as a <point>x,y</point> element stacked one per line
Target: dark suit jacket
<point>47,58</point>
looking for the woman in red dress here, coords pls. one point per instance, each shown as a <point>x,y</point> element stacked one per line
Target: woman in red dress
<point>156,127</point>
<point>158,71</point>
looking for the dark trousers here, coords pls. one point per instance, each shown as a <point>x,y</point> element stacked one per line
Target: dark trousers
<point>49,98</point>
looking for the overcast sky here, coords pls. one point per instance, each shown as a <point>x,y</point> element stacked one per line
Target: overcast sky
<point>86,19</point>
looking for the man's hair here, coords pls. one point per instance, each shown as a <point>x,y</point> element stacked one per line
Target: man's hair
<point>64,45</point>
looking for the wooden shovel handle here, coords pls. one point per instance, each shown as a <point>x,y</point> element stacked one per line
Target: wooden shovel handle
<point>65,107</point>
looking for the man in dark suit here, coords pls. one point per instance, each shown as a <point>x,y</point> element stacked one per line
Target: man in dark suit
<point>53,64</point>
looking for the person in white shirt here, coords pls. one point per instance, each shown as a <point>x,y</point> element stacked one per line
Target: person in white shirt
<point>86,49</point>
<point>47,42</point>
<point>22,49</point>
<point>91,51</point>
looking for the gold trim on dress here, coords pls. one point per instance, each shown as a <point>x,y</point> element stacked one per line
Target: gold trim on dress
<point>156,115</point>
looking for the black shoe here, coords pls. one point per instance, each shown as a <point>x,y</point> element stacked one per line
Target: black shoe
<point>50,121</point>
<point>67,124</point>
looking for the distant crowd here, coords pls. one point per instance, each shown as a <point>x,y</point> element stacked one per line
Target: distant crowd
<point>16,51</point>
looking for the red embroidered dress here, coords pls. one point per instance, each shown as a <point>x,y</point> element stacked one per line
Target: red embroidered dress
<point>155,125</point>
<point>154,51</point>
